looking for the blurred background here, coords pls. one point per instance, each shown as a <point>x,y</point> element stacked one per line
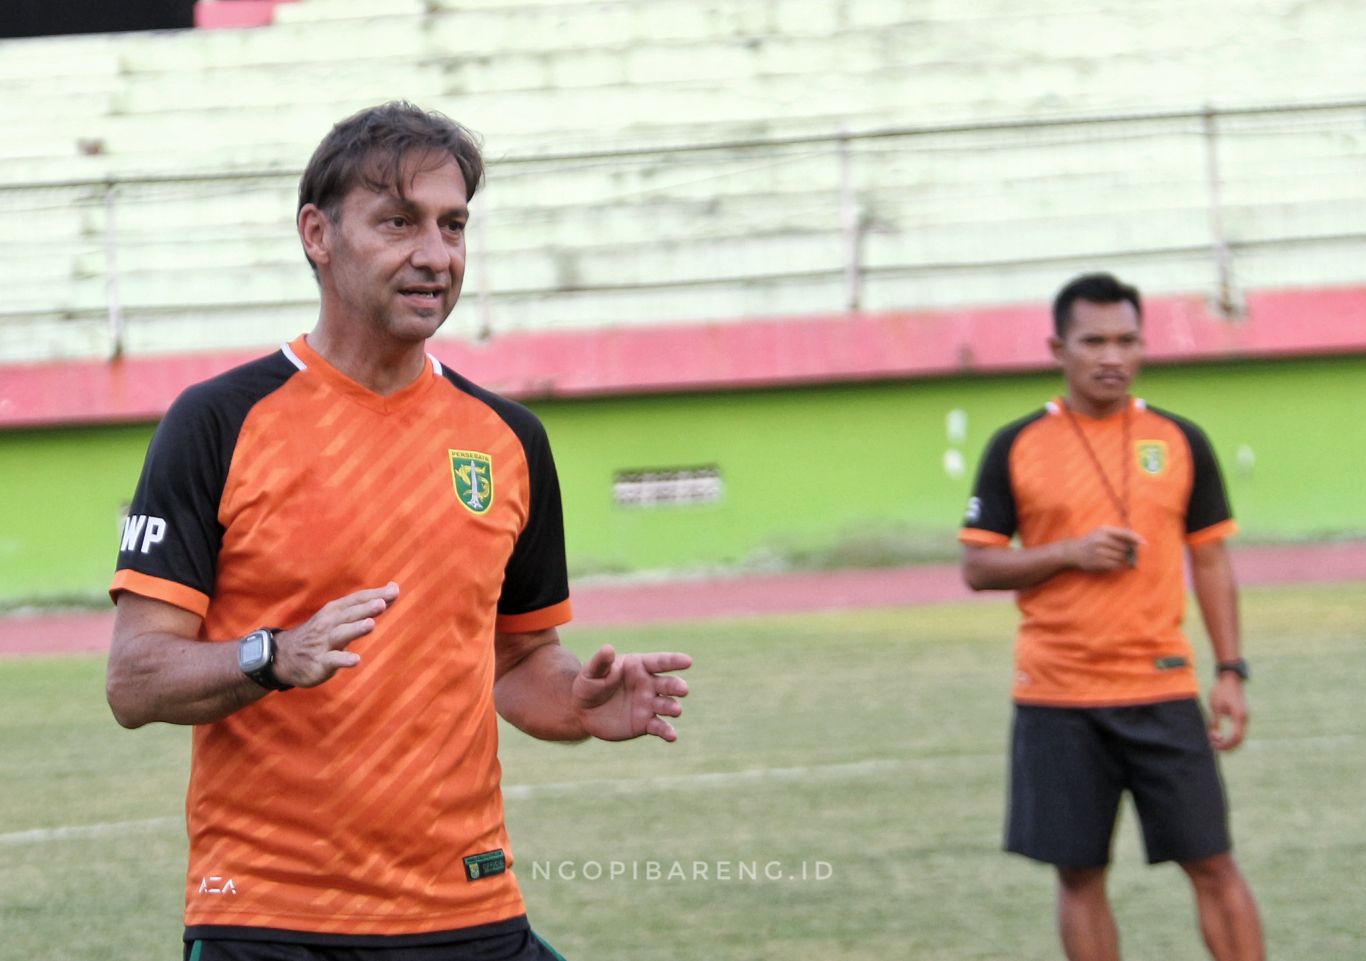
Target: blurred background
<point>771,271</point>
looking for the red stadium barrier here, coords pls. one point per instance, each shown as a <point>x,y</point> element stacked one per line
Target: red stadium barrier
<point>775,352</point>
<point>235,14</point>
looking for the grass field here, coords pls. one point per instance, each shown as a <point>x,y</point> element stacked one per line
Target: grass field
<point>863,750</point>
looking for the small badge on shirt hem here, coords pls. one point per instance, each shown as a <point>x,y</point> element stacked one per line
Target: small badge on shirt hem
<point>1171,663</point>
<point>485,865</point>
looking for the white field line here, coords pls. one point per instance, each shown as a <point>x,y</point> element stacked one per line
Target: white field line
<point>713,779</point>
<point>41,835</point>
<point>522,792</point>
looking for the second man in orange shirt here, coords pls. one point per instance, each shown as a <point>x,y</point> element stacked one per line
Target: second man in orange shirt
<point>1106,496</point>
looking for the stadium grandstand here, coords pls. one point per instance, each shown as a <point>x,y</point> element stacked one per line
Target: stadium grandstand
<point>692,197</point>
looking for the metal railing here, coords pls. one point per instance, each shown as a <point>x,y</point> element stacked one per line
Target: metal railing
<point>1230,183</point>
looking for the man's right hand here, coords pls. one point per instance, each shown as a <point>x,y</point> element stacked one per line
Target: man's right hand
<point>311,653</point>
<point>159,670</point>
<point>1104,549</point>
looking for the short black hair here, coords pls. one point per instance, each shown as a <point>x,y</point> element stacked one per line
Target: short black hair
<point>369,148</point>
<point>1097,288</point>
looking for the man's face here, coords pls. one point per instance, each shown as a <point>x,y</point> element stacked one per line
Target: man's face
<point>395,263</point>
<point>1100,355</point>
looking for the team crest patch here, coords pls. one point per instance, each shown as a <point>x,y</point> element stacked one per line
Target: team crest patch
<point>485,865</point>
<point>1152,456</point>
<point>472,474</point>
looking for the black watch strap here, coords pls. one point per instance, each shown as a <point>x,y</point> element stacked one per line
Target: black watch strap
<point>1238,667</point>
<point>261,667</point>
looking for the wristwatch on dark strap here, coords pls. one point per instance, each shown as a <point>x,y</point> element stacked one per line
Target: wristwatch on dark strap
<point>256,659</point>
<point>1238,667</point>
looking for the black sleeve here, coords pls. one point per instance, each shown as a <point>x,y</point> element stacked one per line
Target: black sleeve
<point>536,575</point>
<point>172,531</point>
<point>1208,504</point>
<point>992,505</point>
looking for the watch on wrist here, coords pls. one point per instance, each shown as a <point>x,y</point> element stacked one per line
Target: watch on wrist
<point>256,659</point>
<point>1238,667</point>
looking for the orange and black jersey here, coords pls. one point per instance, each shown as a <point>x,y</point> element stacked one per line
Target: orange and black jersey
<point>370,805</point>
<point>1115,638</point>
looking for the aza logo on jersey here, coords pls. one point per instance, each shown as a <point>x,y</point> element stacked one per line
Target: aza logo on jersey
<point>217,884</point>
<point>472,474</point>
<point>1152,456</point>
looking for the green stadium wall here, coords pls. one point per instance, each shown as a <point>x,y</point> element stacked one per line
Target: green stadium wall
<point>828,475</point>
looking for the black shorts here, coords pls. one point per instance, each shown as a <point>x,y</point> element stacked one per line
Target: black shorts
<point>1069,767</point>
<point>504,942</point>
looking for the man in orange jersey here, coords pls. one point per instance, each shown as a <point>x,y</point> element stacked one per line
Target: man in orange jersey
<point>1105,495</point>
<point>342,562</point>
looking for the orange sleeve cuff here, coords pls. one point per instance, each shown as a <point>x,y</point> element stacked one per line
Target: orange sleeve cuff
<point>552,616</point>
<point>1215,532</point>
<point>980,538</point>
<point>159,589</point>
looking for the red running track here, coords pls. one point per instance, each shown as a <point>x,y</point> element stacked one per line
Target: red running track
<point>647,601</point>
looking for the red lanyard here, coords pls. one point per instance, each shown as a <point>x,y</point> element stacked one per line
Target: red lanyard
<point>1121,504</point>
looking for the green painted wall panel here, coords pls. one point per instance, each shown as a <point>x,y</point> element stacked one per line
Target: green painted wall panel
<point>1304,427</point>
<point>62,496</point>
<point>823,475</point>
<point>846,471</point>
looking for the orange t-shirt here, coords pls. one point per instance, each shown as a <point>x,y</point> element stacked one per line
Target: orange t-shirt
<point>369,805</point>
<point>1101,639</point>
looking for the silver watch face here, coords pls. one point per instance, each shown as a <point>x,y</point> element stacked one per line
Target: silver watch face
<point>253,652</point>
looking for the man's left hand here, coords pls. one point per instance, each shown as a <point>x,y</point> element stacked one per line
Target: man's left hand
<point>1228,712</point>
<point>618,697</point>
